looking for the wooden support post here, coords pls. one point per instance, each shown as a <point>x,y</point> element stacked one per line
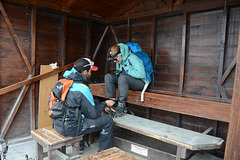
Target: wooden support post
<point>115,39</point>
<point>33,53</point>
<point>99,43</point>
<point>219,92</point>
<point>62,40</point>
<point>128,30</point>
<point>233,137</point>
<point>183,54</point>
<point>153,40</point>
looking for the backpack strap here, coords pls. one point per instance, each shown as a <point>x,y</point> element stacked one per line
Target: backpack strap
<point>78,113</point>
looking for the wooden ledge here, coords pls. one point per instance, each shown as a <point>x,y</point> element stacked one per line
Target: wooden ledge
<point>200,108</point>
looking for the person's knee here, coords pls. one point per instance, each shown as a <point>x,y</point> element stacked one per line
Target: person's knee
<point>122,79</point>
<point>107,77</point>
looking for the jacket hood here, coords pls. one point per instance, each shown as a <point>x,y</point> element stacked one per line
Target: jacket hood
<point>75,76</point>
<point>125,52</point>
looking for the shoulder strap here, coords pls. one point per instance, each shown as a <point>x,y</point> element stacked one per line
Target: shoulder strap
<point>67,84</point>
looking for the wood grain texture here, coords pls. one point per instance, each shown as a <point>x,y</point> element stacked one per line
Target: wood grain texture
<point>169,134</point>
<point>189,106</point>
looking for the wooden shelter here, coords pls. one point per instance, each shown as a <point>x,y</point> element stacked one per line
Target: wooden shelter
<point>194,46</point>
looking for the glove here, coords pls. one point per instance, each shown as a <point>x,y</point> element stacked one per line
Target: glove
<point>124,72</point>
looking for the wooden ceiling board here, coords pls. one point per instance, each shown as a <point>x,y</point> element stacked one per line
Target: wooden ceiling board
<point>100,7</point>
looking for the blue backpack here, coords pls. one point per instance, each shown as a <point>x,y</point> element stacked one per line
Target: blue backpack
<point>136,49</point>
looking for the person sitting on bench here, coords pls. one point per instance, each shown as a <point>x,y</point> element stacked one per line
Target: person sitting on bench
<point>130,74</point>
<point>80,96</point>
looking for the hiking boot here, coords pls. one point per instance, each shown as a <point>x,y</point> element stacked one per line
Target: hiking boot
<point>120,109</point>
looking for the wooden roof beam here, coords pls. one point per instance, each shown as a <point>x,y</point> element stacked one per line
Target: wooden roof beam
<point>178,2</point>
<point>124,9</point>
<point>67,5</point>
<point>170,5</point>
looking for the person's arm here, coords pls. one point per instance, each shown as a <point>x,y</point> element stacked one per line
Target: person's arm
<point>93,111</point>
<point>136,69</point>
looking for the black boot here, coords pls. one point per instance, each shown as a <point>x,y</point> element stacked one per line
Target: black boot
<point>120,109</point>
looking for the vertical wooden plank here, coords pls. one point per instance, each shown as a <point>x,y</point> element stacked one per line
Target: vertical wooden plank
<point>15,37</point>
<point>33,55</point>
<point>222,52</point>
<point>62,40</point>
<point>233,137</point>
<point>45,86</point>
<point>128,30</point>
<point>183,55</point>
<point>153,39</point>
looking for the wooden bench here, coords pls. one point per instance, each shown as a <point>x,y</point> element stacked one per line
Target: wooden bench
<point>55,144</point>
<point>219,111</point>
<point>184,139</point>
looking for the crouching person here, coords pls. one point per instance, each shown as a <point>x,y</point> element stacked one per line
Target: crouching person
<point>83,115</point>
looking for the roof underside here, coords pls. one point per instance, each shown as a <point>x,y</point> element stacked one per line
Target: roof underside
<point>109,11</point>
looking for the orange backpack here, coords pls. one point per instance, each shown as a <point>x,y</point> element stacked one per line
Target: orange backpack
<point>56,102</point>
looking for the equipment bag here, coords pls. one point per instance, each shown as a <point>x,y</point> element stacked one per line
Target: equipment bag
<point>136,49</point>
<point>57,97</point>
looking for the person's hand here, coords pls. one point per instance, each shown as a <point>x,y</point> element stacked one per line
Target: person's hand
<point>110,103</point>
<point>109,110</point>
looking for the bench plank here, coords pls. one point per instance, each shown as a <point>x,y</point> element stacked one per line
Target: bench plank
<point>170,134</point>
<point>110,154</point>
<point>50,136</point>
<point>52,141</point>
<point>184,105</point>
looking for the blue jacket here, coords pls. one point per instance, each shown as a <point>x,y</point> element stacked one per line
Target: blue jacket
<point>131,63</point>
<point>78,98</point>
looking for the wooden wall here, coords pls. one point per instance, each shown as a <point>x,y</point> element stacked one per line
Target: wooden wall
<point>59,38</point>
<point>192,45</point>
<point>13,69</point>
<point>208,40</point>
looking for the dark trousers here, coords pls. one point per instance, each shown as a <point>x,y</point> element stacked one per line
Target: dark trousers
<point>123,83</point>
<point>103,123</point>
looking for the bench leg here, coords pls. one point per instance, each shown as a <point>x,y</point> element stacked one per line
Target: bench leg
<point>76,148</point>
<point>63,149</point>
<point>39,150</point>
<point>179,153</point>
<point>49,155</point>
